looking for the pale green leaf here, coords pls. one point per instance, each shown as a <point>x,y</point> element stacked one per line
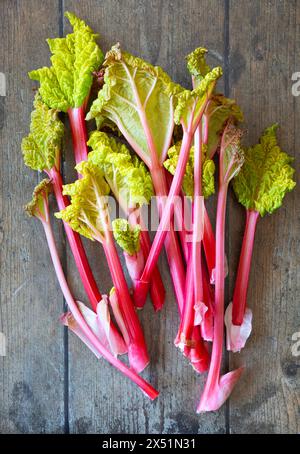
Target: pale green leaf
<point>191,104</point>
<point>266,177</point>
<point>88,212</point>
<point>127,176</point>
<point>66,84</point>
<point>127,236</point>
<point>137,97</point>
<point>41,148</point>
<point>208,171</point>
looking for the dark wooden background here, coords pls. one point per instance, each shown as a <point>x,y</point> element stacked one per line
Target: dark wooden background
<point>50,382</point>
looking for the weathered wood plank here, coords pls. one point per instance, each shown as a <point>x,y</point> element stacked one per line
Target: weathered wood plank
<point>32,372</point>
<point>101,400</point>
<point>264,52</point>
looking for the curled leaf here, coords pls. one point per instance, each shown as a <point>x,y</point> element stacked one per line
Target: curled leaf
<point>38,206</point>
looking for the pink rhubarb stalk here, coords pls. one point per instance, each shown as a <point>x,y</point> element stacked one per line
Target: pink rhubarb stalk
<point>75,243</point>
<point>182,219</point>
<point>84,327</point>
<point>242,280</point>
<point>194,285</point>
<point>238,318</point>
<point>209,245</point>
<point>218,388</point>
<point>157,289</point>
<point>79,139</point>
<point>166,211</point>
<point>134,265</point>
<point>189,338</point>
<point>78,251</point>
<point>207,325</point>
<point>137,351</point>
<point>198,222</point>
<point>170,240</point>
<point>79,133</point>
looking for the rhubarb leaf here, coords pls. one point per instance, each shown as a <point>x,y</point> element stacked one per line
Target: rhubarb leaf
<point>196,63</point>
<point>127,176</point>
<point>266,176</point>
<point>219,108</point>
<point>127,236</point>
<point>66,84</point>
<point>218,111</point>
<point>208,171</point>
<point>137,97</point>
<point>88,212</point>
<point>38,206</point>
<point>41,148</point>
<point>231,153</point>
<point>191,104</point>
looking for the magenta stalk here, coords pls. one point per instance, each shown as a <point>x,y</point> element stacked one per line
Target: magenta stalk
<point>75,242</point>
<point>144,386</point>
<point>79,133</point>
<point>137,351</point>
<point>218,388</point>
<point>165,221</point>
<point>242,279</point>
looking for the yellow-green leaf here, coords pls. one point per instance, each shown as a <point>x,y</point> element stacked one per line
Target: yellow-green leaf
<point>266,176</point>
<point>127,236</point>
<point>88,212</point>
<point>67,82</point>
<point>208,171</point>
<point>127,176</point>
<point>41,148</point>
<point>137,97</point>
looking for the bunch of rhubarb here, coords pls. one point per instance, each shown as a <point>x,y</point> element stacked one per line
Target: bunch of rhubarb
<point>155,149</point>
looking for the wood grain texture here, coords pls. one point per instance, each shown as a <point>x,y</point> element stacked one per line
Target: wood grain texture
<point>32,372</point>
<point>162,32</point>
<point>264,50</point>
<point>50,386</point>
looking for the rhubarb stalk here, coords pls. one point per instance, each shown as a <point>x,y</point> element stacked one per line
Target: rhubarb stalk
<point>242,279</point>
<point>218,388</point>
<point>164,226</point>
<point>79,133</point>
<point>137,351</point>
<point>261,186</point>
<point>131,185</point>
<point>143,107</point>
<point>39,208</point>
<point>88,214</point>
<point>75,243</point>
<point>41,151</point>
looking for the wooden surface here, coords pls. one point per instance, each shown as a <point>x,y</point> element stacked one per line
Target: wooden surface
<point>49,382</point>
